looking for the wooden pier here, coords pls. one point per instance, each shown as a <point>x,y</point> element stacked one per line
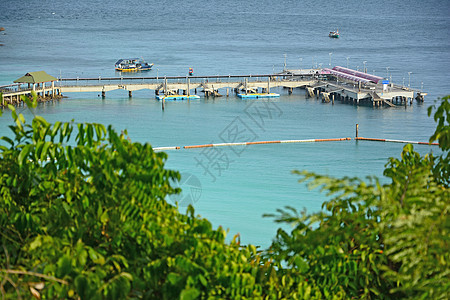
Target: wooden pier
<point>317,83</point>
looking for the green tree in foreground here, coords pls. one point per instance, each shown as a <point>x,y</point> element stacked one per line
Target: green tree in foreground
<point>83,215</point>
<point>373,241</point>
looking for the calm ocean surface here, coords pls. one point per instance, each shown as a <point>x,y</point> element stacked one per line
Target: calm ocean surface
<point>233,187</point>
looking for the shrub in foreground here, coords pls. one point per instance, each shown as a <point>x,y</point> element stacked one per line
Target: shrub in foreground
<point>83,215</point>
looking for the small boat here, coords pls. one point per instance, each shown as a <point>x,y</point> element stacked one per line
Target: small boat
<point>191,71</point>
<point>258,95</point>
<point>132,65</point>
<point>334,34</point>
<point>177,97</point>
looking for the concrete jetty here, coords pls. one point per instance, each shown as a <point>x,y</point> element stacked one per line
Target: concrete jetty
<point>329,85</point>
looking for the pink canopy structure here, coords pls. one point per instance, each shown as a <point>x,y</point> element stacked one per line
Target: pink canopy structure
<point>370,77</point>
<point>347,76</point>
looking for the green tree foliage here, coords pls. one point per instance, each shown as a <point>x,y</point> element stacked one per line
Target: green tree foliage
<point>376,241</point>
<point>83,215</point>
<point>86,218</point>
<point>442,134</point>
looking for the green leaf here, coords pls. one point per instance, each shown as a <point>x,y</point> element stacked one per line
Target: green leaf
<point>302,266</point>
<point>64,266</point>
<point>104,218</point>
<point>8,140</point>
<point>189,294</point>
<point>23,155</point>
<point>203,280</point>
<point>81,285</point>
<point>13,111</point>
<point>42,121</point>
<point>173,278</point>
<point>27,101</point>
<point>96,257</point>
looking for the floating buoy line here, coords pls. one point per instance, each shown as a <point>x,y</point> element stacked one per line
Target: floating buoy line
<point>290,141</point>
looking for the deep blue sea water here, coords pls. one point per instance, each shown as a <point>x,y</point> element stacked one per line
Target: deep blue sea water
<point>85,38</point>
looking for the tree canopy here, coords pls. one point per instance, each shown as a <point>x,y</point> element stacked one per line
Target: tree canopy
<point>83,215</point>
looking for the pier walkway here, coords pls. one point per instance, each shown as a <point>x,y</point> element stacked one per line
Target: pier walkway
<point>318,83</point>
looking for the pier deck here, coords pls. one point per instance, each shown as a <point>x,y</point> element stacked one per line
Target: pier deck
<point>315,81</point>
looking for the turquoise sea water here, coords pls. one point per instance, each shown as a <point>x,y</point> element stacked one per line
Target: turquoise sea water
<point>235,186</point>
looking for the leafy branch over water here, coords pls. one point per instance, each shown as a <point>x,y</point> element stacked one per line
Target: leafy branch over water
<point>83,215</point>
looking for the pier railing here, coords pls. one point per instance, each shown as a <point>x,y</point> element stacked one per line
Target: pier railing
<point>10,88</point>
<point>209,79</point>
<point>178,79</point>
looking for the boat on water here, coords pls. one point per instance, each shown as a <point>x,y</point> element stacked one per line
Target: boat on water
<point>177,97</point>
<point>258,95</point>
<point>334,34</point>
<point>132,65</point>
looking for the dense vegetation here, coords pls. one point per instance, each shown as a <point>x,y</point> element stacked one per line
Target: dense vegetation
<point>83,216</point>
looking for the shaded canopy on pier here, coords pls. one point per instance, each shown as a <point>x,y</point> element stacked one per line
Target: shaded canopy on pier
<point>35,77</point>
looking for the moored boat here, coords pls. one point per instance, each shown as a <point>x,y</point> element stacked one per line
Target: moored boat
<point>177,97</point>
<point>258,95</point>
<point>132,65</point>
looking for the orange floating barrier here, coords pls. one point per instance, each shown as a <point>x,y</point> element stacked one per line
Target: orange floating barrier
<point>198,146</point>
<point>263,142</point>
<point>291,141</point>
<point>332,140</point>
<point>425,143</point>
<point>396,141</point>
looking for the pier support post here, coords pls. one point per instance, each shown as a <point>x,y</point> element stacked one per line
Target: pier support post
<point>130,94</point>
<point>165,86</point>
<point>188,87</point>
<point>227,92</point>
<point>103,94</point>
